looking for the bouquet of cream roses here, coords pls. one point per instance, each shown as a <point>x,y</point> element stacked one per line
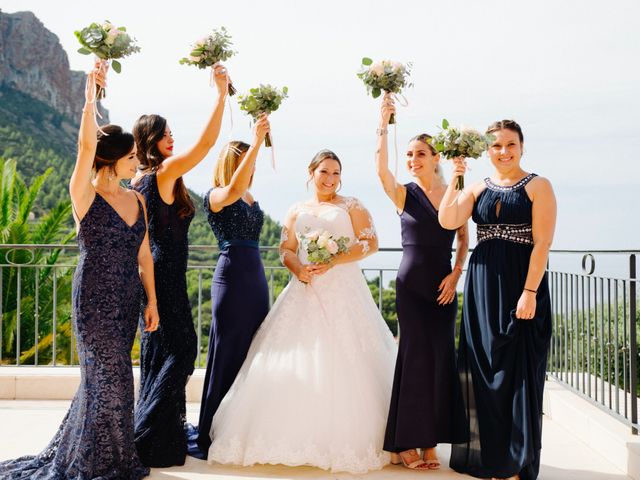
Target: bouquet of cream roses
<point>460,142</point>
<point>262,100</point>
<point>385,75</point>
<point>108,43</point>
<point>321,245</point>
<point>210,50</point>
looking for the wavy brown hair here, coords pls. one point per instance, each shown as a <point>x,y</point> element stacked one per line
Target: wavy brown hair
<point>113,144</point>
<point>148,131</point>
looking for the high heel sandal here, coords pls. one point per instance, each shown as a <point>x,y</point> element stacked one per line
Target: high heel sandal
<point>431,463</point>
<point>419,464</point>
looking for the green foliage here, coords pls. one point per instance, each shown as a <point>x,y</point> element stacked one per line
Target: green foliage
<point>263,99</point>
<point>106,42</point>
<point>384,76</point>
<point>29,287</point>
<point>210,50</point>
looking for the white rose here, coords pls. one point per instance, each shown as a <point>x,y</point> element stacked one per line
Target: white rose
<point>332,246</point>
<point>323,239</point>
<point>203,41</point>
<point>111,36</point>
<point>377,68</point>
<point>194,59</point>
<point>312,235</point>
<point>396,66</point>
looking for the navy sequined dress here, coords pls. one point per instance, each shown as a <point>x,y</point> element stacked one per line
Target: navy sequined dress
<point>502,360</point>
<point>240,302</point>
<point>167,355</point>
<point>95,439</point>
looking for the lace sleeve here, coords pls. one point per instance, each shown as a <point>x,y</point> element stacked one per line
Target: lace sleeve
<point>288,241</point>
<point>362,225</point>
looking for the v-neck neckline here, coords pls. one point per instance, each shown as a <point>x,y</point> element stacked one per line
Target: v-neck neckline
<point>118,214</point>
<point>426,197</point>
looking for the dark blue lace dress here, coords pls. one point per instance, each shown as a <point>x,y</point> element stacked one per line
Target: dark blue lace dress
<point>240,302</point>
<point>502,359</point>
<point>95,440</point>
<point>168,354</point>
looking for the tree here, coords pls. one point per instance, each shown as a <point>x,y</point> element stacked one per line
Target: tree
<point>31,286</point>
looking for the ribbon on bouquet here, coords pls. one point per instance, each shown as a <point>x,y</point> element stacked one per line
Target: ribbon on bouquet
<point>212,84</point>
<point>91,94</point>
<point>402,100</point>
<point>273,153</point>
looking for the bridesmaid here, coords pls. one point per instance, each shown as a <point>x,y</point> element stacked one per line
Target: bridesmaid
<point>168,355</point>
<point>239,291</point>
<point>426,402</point>
<point>506,330</point>
<point>95,439</point>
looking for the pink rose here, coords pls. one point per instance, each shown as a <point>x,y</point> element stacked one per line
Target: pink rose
<point>312,235</point>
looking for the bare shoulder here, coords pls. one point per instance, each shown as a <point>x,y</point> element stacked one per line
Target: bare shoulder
<point>139,196</point>
<point>476,188</point>
<point>539,186</point>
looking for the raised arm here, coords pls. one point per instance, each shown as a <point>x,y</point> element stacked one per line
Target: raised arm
<point>289,248</point>
<point>456,207</point>
<point>543,226</point>
<point>221,197</point>
<point>145,267</point>
<point>394,190</point>
<point>80,187</point>
<point>177,165</point>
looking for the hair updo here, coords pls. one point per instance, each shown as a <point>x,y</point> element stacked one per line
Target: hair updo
<point>425,138</point>
<point>113,144</point>
<point>319,157</point>
<point>506,125</point>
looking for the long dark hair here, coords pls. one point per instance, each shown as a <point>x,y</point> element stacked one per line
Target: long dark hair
<point>113,144</point>
<point>148,131</point>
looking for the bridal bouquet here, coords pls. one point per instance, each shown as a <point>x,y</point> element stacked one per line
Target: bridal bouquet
<point>261,100</point>
<point>106,42</point>
<point>210,50</point>
<point>321,245</point>
<point>385,75</point>
<point>460,142</point>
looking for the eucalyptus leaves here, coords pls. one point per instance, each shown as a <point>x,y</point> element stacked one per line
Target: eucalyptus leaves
<point>106,42</point>
<point>210,50</point>
<point>262,100</point>
<point>386,75</point>
<point>464,142</point>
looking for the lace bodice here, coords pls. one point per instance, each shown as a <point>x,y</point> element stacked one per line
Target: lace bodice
<point>334,218</point>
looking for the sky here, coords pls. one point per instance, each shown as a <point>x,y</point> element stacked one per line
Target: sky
<point>568,71</point>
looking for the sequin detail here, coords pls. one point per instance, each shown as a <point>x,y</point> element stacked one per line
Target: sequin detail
<point>513,233</point>
<point>508,188</point>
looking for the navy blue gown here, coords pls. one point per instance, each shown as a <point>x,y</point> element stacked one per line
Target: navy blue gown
<point>502,359</point>
<point>95,439</point>
<point>167,355</point>
<point>426,402</point>
<point>240,302</point>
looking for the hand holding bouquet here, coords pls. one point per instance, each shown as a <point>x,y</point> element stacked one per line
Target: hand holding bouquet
<point>386,75</point>
<point>454,142</point>
<point>108,43</point>
<point>211,50</point>
<point>321,246</point>
<point>262,100</point>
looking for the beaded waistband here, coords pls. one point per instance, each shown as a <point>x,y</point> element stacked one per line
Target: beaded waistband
<point>520,233</point>
<point>225,244</point>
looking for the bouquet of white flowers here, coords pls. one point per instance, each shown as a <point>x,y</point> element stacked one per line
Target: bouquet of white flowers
<point>261,100</point>
<point>460,142</point>
<point>385,75</point>
<point>210,50</point>
<point>108,43</point>
<point>321,245</point>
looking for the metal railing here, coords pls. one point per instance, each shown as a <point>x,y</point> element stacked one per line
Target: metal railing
<point>594,347</point>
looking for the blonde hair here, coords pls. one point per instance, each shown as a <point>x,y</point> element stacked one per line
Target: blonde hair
<point>228,162</point>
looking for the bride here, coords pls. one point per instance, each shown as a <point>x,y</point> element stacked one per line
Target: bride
<point>315,386</point>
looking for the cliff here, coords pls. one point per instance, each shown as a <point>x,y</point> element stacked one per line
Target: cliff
<point>33,62</point>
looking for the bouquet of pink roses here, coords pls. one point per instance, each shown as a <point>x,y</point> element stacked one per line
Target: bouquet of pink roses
<point>321,246</point>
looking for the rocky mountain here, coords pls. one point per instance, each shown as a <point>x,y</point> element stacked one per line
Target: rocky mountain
<point>33,62</point>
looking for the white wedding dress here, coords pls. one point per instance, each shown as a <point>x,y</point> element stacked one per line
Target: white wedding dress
<point>316,383</point>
